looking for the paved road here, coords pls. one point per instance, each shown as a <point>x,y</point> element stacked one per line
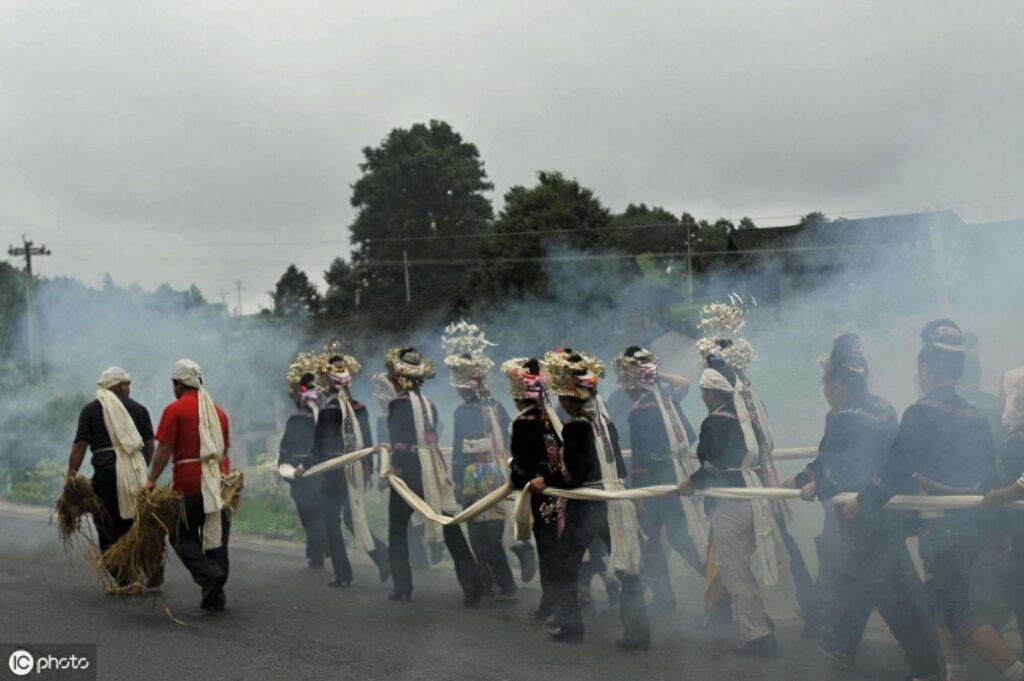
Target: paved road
<point>284,623</point>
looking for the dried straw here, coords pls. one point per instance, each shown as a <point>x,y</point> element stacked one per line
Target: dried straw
<point>231,492</point>
<point>139,555</point>
<point>77,501</point>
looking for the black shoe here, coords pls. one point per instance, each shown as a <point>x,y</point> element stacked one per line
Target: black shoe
<point>340,583</point>
<point>527,561</point>
<point>405,596</point>
<point>471,601</point>
<point>214,599</point>
<point>627,644</point>
<point>766,646</point>
<point>839,659</point>
<point>560,634</point>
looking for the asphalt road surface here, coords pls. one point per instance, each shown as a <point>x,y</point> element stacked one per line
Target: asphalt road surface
<point>282,622</point>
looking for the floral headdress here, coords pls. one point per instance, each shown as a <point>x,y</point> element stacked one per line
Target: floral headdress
<point>342,370</point>
<point>636,368</point>
<point>467,364</point>
<point>724,323</point>
<point>573,375</point>
<point>407,368</point>
<point>524,384</point>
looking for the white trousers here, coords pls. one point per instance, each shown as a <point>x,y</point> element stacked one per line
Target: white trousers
<point>732,524</point>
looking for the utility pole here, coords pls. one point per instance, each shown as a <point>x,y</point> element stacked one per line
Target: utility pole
<point>408,291</point>
<point>27,251</point>
<point>689,260</point>
<point>239,287</point>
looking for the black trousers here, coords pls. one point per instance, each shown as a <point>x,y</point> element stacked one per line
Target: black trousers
<point>399,515</point>
<point>879,574</point>
<point>834,555</point>
<point>206,567</point>
<point>308,499</point>
<point>485,537</point>
<point>335,500</point>
<point>1009,571</point>
<point>111,526</point>
<point>545,533</point>
<point>586,521</point>
<point>665,513</point>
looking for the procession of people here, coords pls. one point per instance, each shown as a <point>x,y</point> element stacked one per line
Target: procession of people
<point>553,484</point>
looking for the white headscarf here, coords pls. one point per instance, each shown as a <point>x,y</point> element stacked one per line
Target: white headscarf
<point>1013,406</point>
<point>211,450</point>
<point>129,465</point>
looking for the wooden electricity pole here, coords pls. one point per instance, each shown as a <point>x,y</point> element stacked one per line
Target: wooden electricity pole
<point>26,251</point>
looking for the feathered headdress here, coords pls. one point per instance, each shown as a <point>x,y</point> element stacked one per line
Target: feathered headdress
<point>526,380</point>
<point>573,375</point>
<point>467,364</point>
<point>636,367</point>
<point>724,323</point>
<point>407,368</point>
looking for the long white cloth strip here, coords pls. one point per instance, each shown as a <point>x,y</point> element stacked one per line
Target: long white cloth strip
<point>499,455</point>
<point>623,525</point>
<point>288,471</point>
<point>354,480</point>
<point>129,465</point>
<point>211,453</point>
<point>421,506</point>
<point>770,547</point>
<point>437,487</point>
<point>679,442</point>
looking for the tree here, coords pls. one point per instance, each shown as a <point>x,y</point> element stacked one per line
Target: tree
<point>420,187</point>
<point>343,280</point>
<point>195,297</point>
<point>295,296</point>
<point>652,230</point>
<point>556,217</point>
<point>814,218</point>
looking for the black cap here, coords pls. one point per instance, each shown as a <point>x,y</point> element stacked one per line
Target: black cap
<point>943,334</point>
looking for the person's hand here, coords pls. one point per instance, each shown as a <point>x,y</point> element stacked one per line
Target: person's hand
<point>993,498</point>
<point>686,488</point>
<point>538,484</point>
<point>71,474</point>
<point>809,491</point>
<point>299,470</point>
<point>851,511</point>
<point>149,486</point>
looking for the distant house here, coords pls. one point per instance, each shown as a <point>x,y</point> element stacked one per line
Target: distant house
<point>921,252</point>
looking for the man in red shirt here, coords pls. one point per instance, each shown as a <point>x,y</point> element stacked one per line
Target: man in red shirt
<point>193,434</point>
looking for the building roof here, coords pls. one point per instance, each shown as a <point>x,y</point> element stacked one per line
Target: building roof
<point>910,230</point>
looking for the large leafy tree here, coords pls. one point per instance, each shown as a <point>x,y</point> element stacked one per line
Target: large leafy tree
<point>295,295</point>
<point>558,218</point>
<point>421,188</point>
<point>343,286</point>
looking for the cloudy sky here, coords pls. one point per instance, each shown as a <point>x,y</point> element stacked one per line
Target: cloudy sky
<point>208,141</point>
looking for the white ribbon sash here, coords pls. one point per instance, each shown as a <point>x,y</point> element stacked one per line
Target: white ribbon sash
<point>677,440</point>
<point>211,453</point>
<point>437,487</point>
<point>354,479</point>
<point>623,525</point>
<point>129,464</point>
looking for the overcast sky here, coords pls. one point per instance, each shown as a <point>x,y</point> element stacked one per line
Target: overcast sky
<point>190,141</point>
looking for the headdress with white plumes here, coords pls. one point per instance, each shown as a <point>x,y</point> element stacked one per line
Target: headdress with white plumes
<point>467,364</point>
<point>724,323</point>
<point>303,364</point>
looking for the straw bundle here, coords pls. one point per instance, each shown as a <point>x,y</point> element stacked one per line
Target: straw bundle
<point>139,555</point>
<point>77,501</point>
<point>231,491</point>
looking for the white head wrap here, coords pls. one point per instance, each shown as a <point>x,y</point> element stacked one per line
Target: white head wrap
<point>188,373</point>
<point>113,376</point>
<point>1013,407</point>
